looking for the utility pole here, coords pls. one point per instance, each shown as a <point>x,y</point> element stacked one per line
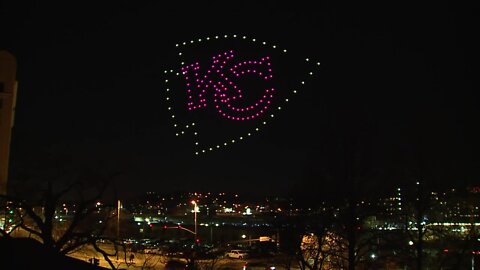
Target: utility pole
<point>8,94</point>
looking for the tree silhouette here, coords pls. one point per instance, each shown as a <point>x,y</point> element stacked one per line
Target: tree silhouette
<point>89,219</point>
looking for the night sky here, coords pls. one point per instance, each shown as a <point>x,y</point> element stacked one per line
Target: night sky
<point>396,95</point>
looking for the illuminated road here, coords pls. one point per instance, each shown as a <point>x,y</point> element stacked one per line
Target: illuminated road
<point>145,261</point>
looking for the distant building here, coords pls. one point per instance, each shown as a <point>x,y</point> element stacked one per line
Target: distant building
<point>8,89</point>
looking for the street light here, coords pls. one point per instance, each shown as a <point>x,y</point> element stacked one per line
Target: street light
<point>119,205</point>
<point>195,214</point>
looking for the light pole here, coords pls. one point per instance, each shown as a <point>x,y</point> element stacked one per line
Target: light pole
<point>119,205</point>
<point>195,217</point>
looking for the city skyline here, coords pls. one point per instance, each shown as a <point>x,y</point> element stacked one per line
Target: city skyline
<point>393,102</point>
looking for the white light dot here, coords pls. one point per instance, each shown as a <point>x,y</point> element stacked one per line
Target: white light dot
<point>179,53</point>
<point>187,126</point>
<point>264,122</point>
<point>183,132</point>
<point>168,89</point>
<point>216,36</point>
<point>318,63</point>
<point>249,134</point>
<point>175,125</point>
<point>311,73</point>
<point>294,91</point>
<point>302,82</point>
<point>244,37</point>
<point>224,143</point>
<point>279,108</point>
<point>165,71</point>
<point>167,98</point>
<point>234,36</point>
<point>284,51</point>
<point>195,133</point>
<point>173,116</point>
<point>196,153</point>
<point>271,115</point>
<point>253,39</point>
<point>184,43</point>
<point>264,43</point>
<point>191,41</point>
<point>210,149</point>
<point>203,151</point>
<point>176,134</point>
<point>169,108</point>
<point>226,36</point>
<point>218,146</point>
<point>286,100</point>
<point>171,70</point>
<point>208,38</point>
<point>199,40</point>
<point>193,124</point>
<point>274,46</point>
<point>177,74</point>
<point>256,129</point>
<point>166,80</point>
<point>307,59</point>
<point>196,143</point>
<point>241,138</point>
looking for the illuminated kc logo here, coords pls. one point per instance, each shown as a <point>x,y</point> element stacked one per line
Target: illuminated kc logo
<point>218,86</point>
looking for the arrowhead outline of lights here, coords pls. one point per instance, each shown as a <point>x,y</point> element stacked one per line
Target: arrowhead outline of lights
<point>192,126</point>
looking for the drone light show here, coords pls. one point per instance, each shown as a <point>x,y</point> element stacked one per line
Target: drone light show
<point>224,89</point>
